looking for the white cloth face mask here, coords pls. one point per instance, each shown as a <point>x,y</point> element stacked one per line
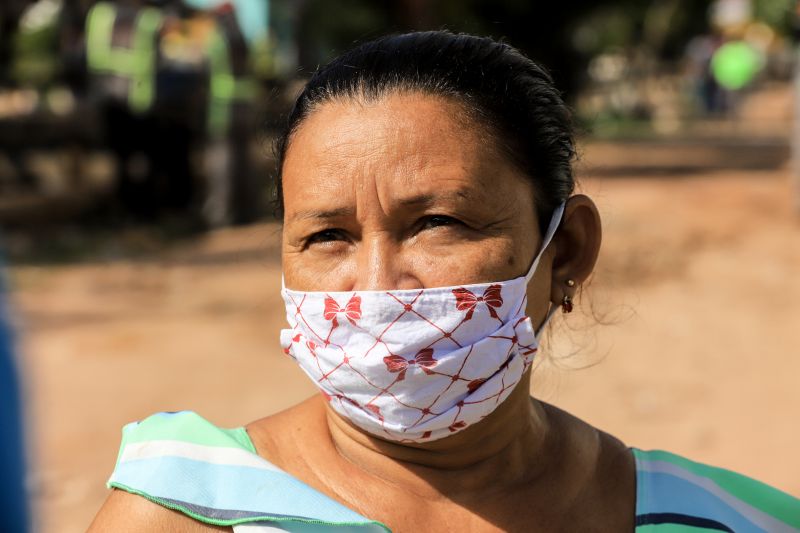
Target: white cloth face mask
<point>415,365</point>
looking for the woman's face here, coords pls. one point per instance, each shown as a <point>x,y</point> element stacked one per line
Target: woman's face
<point>402,193</point>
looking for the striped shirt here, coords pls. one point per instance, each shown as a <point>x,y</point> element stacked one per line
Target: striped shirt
<point>214,475</point>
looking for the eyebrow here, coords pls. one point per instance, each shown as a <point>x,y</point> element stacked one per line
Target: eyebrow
<point>323,214</point>
<point>428,199</point>
<point>412,201</point>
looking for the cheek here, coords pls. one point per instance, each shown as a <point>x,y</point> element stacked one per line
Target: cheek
<point>318,272</point>
<point>467,262</point>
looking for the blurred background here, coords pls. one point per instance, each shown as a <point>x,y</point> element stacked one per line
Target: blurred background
<point>142,254</point>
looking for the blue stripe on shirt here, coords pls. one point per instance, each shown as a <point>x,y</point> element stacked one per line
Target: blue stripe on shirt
<point>271,493</point>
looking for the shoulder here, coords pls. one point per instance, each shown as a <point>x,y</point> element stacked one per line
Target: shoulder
<point>172,462</point>
<point>154,450</point>
<point>183,434</point>
<point>674,490</point>
<point>125,512</point>
<point>182,426</point>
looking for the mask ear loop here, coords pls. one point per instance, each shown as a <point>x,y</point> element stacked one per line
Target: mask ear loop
<point>555,221</point>
<point>548,237</point>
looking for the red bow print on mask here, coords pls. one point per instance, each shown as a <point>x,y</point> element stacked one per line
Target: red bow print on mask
<point>375,410</point>
<point>467,301</point>
<point>352,311</point>
<point>312,347</point>
<point>424,359</point>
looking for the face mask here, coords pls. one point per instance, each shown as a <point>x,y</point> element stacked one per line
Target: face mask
<point>415,365</point>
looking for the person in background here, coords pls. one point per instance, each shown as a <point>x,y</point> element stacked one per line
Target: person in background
<point>230,197</point>
<point>122,60</point>
<point>13,501</point>
<point>176,118</point>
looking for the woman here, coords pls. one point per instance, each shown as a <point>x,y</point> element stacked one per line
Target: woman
<point>430,232</point>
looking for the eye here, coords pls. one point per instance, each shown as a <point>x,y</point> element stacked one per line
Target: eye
<point>435,221</point>
<point>327,235</point>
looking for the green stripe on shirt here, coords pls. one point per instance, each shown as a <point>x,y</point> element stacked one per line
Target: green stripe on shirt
<point>767,499</point>
<point>188,427</point>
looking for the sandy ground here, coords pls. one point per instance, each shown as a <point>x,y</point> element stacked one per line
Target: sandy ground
<point>688,339</point>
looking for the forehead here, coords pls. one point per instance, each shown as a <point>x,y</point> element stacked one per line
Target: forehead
<point>401,143</point>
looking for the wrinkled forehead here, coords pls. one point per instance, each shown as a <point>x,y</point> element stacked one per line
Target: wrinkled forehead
<point>402,145</point>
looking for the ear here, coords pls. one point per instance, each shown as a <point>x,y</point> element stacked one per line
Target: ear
<point>577,245</point>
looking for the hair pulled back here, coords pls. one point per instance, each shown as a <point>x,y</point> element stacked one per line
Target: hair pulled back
<point>497,86</point>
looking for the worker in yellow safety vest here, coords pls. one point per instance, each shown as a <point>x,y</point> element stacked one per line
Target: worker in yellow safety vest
<point>136,63</point>
<point>122,58</point>
<point>231,196</point>
<point>228,76</point>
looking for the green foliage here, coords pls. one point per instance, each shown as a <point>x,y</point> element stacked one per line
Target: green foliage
<point>328,27</point>
<point>775,13</point>
<point>35,44</point>
<point>35,56</point>
<point>562,35</point>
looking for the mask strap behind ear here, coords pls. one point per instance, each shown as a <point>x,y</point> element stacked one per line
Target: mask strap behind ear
<point>548,237</point>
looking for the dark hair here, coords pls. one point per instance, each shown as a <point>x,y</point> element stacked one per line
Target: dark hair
<point>498,86</point>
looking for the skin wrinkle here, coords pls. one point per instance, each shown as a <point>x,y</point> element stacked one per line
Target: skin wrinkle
<point>430,492</point>
<point>415,158</point>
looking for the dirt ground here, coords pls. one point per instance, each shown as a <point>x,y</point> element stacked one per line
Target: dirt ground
<point>688,337</point>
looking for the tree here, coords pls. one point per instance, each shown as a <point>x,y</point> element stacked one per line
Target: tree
<point>546,31</point>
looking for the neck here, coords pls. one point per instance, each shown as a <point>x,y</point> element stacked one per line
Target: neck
<point>508,444</point>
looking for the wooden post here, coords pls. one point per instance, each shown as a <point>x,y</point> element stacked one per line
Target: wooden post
<point>795,165</point>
